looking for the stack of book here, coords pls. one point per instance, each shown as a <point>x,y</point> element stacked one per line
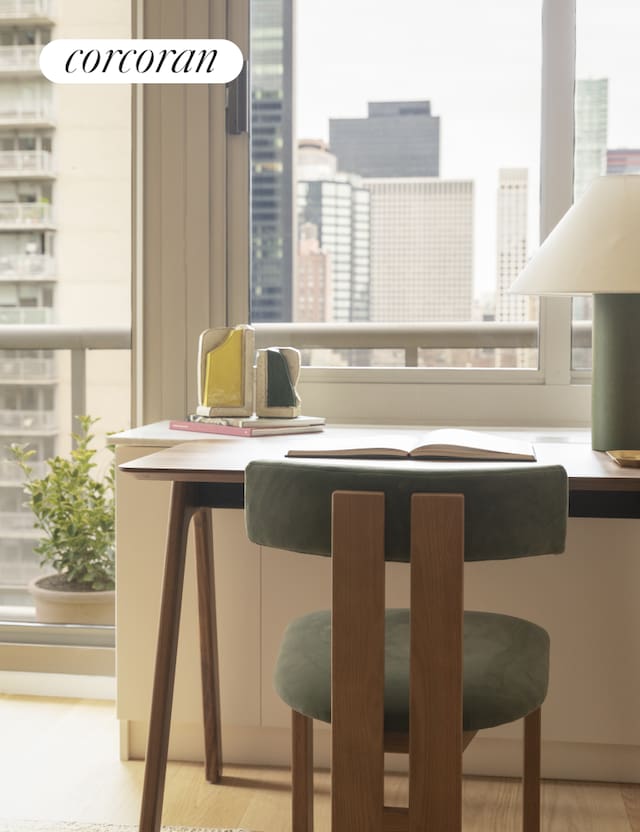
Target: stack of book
<point>249,425</point>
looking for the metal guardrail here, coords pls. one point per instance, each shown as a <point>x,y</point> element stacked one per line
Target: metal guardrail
<point>25,9</point>
<point>23,112</point>
<point>19,57</point>
<point>26,315</point>
<point>76,339</point>
<point>410,337</point>
<point>27,265</point>
<point>24,214</point>
<point>26,161</point>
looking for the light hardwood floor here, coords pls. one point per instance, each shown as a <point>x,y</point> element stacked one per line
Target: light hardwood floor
<point>59,760</point>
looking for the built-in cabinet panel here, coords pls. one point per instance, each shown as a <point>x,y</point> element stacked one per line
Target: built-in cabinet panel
<point>587,598</point>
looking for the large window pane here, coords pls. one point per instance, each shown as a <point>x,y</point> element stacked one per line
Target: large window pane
<point>607,130</point>
<point>65,234</point>
<point>395,181</point>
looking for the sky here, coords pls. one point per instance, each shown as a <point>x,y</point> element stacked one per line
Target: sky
<point>479,65</point>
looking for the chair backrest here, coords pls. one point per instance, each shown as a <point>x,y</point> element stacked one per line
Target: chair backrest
<point>510,510</point>
<point>434,516</point>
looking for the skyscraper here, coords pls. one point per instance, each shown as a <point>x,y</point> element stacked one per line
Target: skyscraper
<point>590,161</point>
<point>337,204</point>
<point>591,126</point>
<point>623,160</point>
<point>511,240</point>
<point>421,249</point>
<point>272,189</point>
<point>398,138</point>
<point>312,286</point>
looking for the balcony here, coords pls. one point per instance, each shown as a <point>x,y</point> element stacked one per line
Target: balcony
<point>18,113</point>
<point>16,521</point>
<point>10,473</point>
<point>26,315</point>
<point>20,60</point>
<point>25,215</point>
<point>27,422</point>
<point>30,370</point>
<point>26,164</point>
<point>27,266</point>
<point>26,11</point>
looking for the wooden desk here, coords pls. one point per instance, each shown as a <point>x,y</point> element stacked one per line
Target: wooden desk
<point>210,474</point>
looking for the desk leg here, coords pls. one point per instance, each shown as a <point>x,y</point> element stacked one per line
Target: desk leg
<point>208,644</point>
<point>158,740</point>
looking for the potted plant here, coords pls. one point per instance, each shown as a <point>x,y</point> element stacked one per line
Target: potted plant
<point>76,513</point>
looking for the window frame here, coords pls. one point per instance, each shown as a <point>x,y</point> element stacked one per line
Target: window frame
<point>551,395</point>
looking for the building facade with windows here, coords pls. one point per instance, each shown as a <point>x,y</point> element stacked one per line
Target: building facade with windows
<point>65,240</point>
<point>272,154</point>
<point>338,205</point>
<point>511,257</point>
<point>591,130</point>
<point>623,160</point>
<point>421,249</point>
<point>27,270</point>
<point>398,138</point>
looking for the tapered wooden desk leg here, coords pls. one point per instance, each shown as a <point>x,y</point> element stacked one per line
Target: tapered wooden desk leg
<point>158,741</point>
<point>208,644</point>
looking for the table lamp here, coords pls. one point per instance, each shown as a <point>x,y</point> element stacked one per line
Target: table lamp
<point>595,249</point>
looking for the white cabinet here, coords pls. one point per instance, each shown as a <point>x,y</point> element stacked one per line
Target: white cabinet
<point>587,598</point>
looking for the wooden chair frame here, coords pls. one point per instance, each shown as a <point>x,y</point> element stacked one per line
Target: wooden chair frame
<point>436,740</point>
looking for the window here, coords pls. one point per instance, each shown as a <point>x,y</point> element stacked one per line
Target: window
<point>411,181</point>
<point>65,229</point>
<point>363,388</point>
<point>607,117</point>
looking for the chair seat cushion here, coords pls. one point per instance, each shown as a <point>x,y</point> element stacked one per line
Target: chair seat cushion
<point>506,668</point>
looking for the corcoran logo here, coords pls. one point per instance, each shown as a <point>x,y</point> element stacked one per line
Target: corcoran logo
<point>145,61</point>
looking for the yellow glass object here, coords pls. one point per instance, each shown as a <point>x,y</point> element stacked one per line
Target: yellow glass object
<point>223,382</point>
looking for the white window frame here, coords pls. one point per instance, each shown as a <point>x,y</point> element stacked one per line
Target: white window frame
<point>215,285</point>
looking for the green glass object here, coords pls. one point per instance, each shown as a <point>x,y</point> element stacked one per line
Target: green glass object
<point>615,390</point>
<point>281,391</point>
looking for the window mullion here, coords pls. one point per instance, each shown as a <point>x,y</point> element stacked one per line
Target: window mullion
<point>556,170</point>
<point>238,188</point>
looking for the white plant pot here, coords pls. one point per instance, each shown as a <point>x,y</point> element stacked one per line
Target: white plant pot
<point>54,606</point>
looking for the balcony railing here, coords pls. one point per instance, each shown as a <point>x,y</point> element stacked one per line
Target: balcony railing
<point>27,265</point>
<point>18,58</point>
<point>410,337</point>
<point>26,315</point>
<point>10,472</point>
<point>16,521</point>
<point>17,112</point>
<point>78,340</point>
<point>25,10</point>
<point>27,369</point>
<point>27,420</point>
<point>25,214</point>
<point>31,162</point>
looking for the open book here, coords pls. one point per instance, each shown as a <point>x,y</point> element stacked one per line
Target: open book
<point>446,444</point>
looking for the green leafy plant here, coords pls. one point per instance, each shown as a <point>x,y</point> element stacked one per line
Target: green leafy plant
<point>75,511</point>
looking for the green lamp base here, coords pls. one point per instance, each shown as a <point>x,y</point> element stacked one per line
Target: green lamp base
<point>615,387</point>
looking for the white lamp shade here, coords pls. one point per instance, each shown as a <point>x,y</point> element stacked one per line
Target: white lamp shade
<point>594,248</point>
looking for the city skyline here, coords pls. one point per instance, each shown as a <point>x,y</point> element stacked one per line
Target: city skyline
<point>490,117</point>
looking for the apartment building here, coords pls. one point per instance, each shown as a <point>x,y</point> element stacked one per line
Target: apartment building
<point>64,247</point>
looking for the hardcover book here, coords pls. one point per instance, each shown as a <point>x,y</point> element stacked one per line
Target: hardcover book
<point>444,444</point>
<point>254,428</point>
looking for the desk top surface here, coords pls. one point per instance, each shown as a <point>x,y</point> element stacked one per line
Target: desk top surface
<point>224,458</point>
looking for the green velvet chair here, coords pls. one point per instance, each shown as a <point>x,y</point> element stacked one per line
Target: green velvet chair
<point>421,681</point>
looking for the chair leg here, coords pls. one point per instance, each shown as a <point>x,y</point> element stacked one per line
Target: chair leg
<point>531,779</point>
<point>302,772</point>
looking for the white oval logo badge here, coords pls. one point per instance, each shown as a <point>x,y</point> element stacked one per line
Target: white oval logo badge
<point>142,61</point>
